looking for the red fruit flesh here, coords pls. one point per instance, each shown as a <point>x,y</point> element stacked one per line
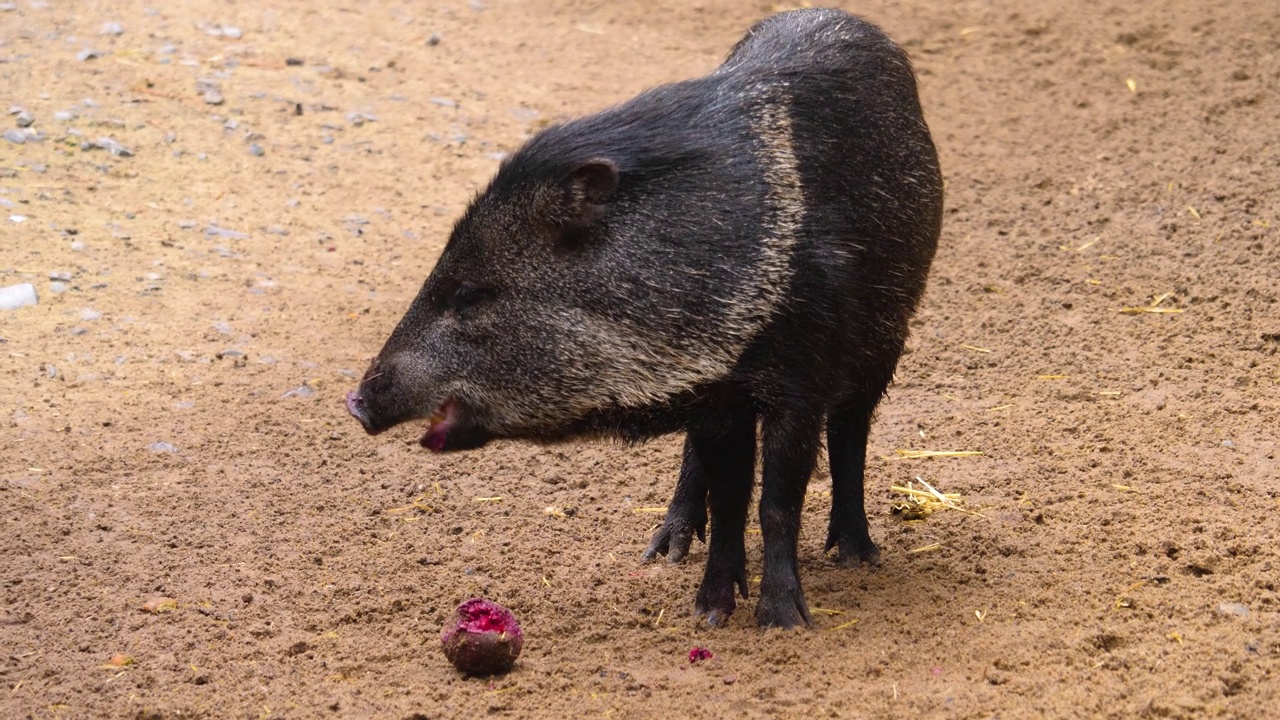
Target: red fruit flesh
<point>483,638</point>
<point>439,425</point>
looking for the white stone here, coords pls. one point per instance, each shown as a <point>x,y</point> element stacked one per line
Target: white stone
<point>16,296</point>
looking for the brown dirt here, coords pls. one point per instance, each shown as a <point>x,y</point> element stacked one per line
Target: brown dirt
<point>1125,560</point>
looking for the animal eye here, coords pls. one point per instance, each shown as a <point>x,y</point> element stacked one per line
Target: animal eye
<point>467,296</point>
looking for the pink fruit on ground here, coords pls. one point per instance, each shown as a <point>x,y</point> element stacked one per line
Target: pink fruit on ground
<point>483,638</point>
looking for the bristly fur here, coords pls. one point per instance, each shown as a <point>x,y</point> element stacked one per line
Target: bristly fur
<point>746,245</point>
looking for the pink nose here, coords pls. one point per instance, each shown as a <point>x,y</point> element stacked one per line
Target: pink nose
<point>355,406</point>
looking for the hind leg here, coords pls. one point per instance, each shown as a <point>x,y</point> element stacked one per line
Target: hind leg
<point>686,513</point>
<point>848,532</point>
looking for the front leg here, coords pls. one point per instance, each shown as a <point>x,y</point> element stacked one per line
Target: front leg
<point>686,513</point>
<point>790,450</point>
<point>727,458</point>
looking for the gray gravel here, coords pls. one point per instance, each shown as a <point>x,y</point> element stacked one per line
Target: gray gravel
<point>108,144</point>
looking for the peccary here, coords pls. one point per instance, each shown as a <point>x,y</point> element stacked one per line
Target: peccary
<point>741,248</point>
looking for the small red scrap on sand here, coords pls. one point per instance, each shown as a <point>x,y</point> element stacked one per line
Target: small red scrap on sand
<point>483,638</point>
<point>698,654</point>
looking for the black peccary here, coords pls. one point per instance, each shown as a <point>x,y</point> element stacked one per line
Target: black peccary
<point>744,247</point>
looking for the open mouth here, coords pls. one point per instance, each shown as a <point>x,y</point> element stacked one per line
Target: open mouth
<point>441,422</point>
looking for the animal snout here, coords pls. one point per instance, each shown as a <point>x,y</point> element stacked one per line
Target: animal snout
<point>355,406</point>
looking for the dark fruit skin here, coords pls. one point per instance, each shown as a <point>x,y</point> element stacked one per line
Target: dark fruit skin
<point>483,638</point>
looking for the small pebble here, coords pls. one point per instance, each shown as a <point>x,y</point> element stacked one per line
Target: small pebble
<point>161,447</point>
<point>111,28</point>
<point>215,231</point>
<point>434,40</point>
<point>64,116</point>
<point>303,390</point>
<point>293,62</point>
<point>256,150</point>
<point>360,118</point>
<point>24,119</point>
<point>89,314</point>
<point>57,286</point>
<point>212,97</point>
<point>16,296</point>
<point>1233,610</point>
<point>17,218</point>
<point>88,54</point>
<point>444,102</point>
<point>17,137</point>
<point>62,275</point>
<point>108,144</point>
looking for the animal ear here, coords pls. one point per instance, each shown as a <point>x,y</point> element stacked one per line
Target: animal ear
<point>587,189</point>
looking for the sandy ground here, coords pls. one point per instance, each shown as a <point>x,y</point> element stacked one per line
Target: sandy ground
<point>172,421</point>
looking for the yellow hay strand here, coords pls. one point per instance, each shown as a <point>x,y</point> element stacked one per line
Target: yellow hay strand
<point>662,509</point>
<point>918,454</point>
<point>975,348</point>
<point>1123,601</point>
<point>417,504</point>
<point>1152,308</point>
<point>920,504</point>
<point>844,625</point>
<point>925,548</point>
